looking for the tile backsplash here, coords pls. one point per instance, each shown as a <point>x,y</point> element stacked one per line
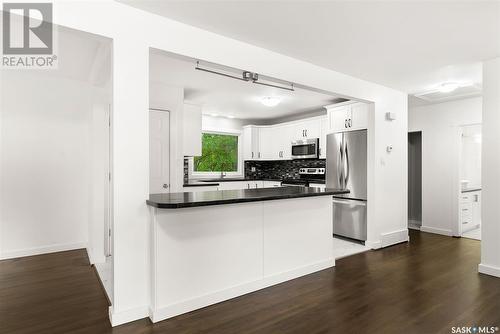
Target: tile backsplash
<point>275,169</point>
<point>278,169</point>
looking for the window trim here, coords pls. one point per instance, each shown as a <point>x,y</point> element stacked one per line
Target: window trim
<point>207,175</point>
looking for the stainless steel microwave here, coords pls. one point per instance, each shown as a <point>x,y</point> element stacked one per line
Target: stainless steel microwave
<point>305,149</point>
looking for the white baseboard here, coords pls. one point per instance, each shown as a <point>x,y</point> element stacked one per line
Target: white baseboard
<point>435,230</point>
<point>95,259</point>
<point>42,250</point>
<point>489,270</point>
<point>373,244</point>
<point>122,317</point>
<point>173,310</point>
<point>394,237</point>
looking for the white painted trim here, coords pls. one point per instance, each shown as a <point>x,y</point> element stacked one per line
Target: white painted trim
<point>393,238</point>
<point>489,270</point>
<point>436,230</point>
<point>42,250</point>
<point>241,162</point>
<point>95,259</point>
<point>120,318</point>
<point>173,310</point>
<point>373,244</point>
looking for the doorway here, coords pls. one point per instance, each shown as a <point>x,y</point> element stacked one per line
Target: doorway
<point>470,182</point>
<point>415,180</point>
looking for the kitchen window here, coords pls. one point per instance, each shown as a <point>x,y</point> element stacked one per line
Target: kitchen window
<point>221,152</point>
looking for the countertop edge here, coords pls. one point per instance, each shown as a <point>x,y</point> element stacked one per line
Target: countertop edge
<point>239,200</point>
<point>201,184</point>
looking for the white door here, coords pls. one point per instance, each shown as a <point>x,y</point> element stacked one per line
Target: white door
<point>159,151</point>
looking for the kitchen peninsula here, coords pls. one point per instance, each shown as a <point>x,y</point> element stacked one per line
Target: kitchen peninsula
<point>254,239</point>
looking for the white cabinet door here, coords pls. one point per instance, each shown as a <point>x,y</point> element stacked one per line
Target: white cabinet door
<point>192,130</point>
<point>232,185</point>
<point>339,118</point>
<point>476,207</point>
<point>271,184</point>
<point>159,152</point>
<point>286,138</point>
<point>322,137</point>
<point>348,117</point>
<point>251,149</point>
<point>268,143</point>
<point>359,116</point>
<point>281,142</point>
<point>200,188</point>
<point>307,129</point>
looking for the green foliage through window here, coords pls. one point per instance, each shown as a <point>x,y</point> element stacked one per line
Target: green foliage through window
<point>219,153</point>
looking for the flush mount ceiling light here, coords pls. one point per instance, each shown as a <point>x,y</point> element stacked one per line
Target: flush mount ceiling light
<point>448,87</point>
<point>270,101</point>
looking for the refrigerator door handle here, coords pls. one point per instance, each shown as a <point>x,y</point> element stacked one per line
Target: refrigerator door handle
<point>340,164</point>
<point>347,166</point>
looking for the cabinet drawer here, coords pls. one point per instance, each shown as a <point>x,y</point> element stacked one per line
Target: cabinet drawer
<point>466,198</point>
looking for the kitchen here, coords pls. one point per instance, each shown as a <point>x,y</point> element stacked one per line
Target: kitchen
<point>302,163</point>
<point>277,131</point>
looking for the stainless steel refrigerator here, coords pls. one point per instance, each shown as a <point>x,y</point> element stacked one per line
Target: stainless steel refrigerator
<point>346,169</point>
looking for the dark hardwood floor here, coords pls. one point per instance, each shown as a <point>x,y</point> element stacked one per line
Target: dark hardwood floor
<point>426,286</point>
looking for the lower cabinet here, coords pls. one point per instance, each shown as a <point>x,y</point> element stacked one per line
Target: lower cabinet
<point>231,185</point>
<point>200,188</point>
<point>271,184</point>
<point>470,210</point>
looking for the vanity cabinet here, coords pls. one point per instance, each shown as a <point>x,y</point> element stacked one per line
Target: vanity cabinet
<point>470,210</point>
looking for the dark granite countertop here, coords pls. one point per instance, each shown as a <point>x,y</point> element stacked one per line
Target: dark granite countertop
<point>215,182</point>
<point>198,183</point>
<point>468,190</point>
<point>204,198</point>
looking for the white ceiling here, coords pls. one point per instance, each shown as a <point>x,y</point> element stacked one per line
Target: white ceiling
<point>230,97</point>
<point>408,45</point>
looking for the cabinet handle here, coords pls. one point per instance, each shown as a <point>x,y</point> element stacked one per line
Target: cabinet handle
<point>306,133</point>
<point>259,155</point>
<point>345,123</point>
<point>252,155</point>
<point>350,122</point>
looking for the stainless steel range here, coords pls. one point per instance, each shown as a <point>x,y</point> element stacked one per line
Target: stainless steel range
<point>306,176</point>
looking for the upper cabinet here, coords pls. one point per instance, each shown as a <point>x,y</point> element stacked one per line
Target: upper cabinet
<point>307,129</point>
<point>274,142</point>
<point>192,130</point>
<point>347,117</point>
<point>251,143</point>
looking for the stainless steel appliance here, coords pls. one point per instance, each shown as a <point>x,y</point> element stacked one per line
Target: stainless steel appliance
<point>346,169</point>
<point>306,175</point>
<point>305,149</point>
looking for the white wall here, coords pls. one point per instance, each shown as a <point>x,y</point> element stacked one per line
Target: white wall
<point>490,233</point>
<point>440,125</point>
<point>45,163</point>
<point>210,122</point>
<point>133,32</point>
